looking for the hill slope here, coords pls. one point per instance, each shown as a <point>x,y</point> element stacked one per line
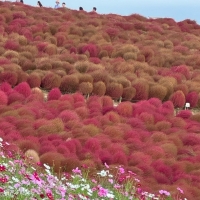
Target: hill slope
<point>106,57</point>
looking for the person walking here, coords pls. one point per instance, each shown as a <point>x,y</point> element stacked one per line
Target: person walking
<point>94,9</point>
<point>39,4</point>
<point>57,5</point>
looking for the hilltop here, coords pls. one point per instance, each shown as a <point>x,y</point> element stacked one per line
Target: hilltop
<point>84,62</point>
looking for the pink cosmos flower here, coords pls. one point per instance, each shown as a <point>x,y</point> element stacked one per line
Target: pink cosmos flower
<point>164,192</point>
<point>121,170</point>
<point>94,181</point>
<point>2,168</point>
<point>180,190</point>
<point>102,192</point>
<point>76,171</point>
<point>111,180</point>
<point>36,176</point>
<point>106,165</point>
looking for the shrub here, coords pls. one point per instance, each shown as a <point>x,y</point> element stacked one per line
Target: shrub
<point>162,125</point>
<point>125,109</point>
<point>54,160</point>
<point>155,152</point>
<point>107,101</point>
<point>68,115</point>
<point>44,66</point>
<point>128,93</point>
<point>78,97</point>
<point>26,145</point>
<point>114,90</point>
<point>113,132</point>
<point>15,97</point>
<point>167,108</point>
<point>22,77</point>
<point>9,54</point>
<point>178,99</point>
<point>3,98</point>
<point>70,163</point>
<point>27,65</point>
<point>112,32</point>
<point>85,78</point>
<point>63,150</point>
<point>34,80</point>
<point>32,156</point>
<point>54,94</point>
<point>83,112</point>
<point>69,83</point>
<point>9,77</point>
<point>182,87</point>
<point>50,80</point>
<point>99,88</point>
<point>185,114</point>
<point>158,136</point>
<point>100,75</point>
<point>155,101</point>
<point>93,145</point>
<point>91,48</point>
<point>157,91</point>
<point>85,88</point>
<point>42,46</point>
<point>82,67</point>
<point>192,98</point>
<point>191,139</point>
<point>137,158</point>
<point>142,90</point>
<point>148,53</point>
<point>60,38</point>
<point>23,88</point>
<point>119,158</point>
<point>51,49</point>
<point>11,45</point>
<point>170,149</point>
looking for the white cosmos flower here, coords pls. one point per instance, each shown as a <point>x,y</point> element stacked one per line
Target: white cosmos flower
<point>47,166</point>
<point>103,173</point>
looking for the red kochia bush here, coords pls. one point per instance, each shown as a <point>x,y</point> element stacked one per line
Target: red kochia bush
<point>120,158</point>
<point>51,80</point>
<point>183,69</point>
<point>15,96</point>
<point>114,90</point>
<point>91,48</point>
<point>67,115</point>
<point>53,159</point>
<point>69,83</point>
<point>93,145</point>
<point>125,109</point>
<point>5,87</point>
<point>54,94</point>
<point>3,98</point>
<point>9,77</point>
<point>105,157</point>
<point>34,80</point>
<point>192,98</point>
<point>191,139</point>
<point>23,88</point>
<point>12,45</point>
<point>166,108</point>
<point>142,90</point>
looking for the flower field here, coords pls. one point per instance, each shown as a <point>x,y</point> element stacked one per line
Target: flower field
<point>61,72</point>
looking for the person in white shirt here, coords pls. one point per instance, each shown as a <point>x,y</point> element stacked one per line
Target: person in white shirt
<point>57,5</point>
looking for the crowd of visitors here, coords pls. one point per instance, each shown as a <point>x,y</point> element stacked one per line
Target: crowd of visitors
<point>57,5</point>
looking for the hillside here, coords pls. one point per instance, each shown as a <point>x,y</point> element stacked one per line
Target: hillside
<point>85,61</point>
